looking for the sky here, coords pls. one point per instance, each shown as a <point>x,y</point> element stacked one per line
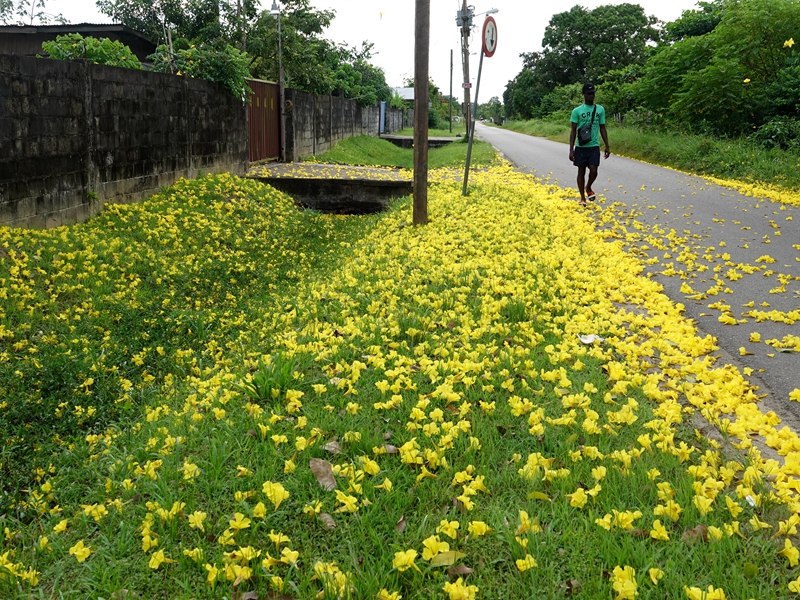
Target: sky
<point>389,25</point>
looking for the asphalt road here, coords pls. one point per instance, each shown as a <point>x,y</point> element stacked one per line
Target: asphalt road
<point>713,237</point>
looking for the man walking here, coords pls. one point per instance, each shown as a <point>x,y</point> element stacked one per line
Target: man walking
<point>588,124</point>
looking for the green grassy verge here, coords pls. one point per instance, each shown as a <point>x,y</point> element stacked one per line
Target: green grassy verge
<point>294,405</point>
<point>740,159</point>
<point>458,128</point>
<point>372,151</point>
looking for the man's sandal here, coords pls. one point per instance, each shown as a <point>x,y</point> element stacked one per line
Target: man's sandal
<point>590,195</point>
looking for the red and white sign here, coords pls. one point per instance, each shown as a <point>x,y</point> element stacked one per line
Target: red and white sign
<point>489,37</point>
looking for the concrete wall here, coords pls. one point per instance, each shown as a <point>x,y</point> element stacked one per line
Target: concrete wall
<point>314,124</point>
<point>74,135</point>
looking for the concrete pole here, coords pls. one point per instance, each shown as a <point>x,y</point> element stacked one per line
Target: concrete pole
<point>465,52</point>
<point>422,27</point>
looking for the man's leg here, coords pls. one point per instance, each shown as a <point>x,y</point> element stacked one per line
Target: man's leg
<point>582,182</point>
<point>592,177</point>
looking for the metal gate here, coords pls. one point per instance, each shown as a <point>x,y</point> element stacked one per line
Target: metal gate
<point>265,120</point>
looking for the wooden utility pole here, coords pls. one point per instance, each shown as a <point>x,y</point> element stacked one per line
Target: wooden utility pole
<point>422,27</point>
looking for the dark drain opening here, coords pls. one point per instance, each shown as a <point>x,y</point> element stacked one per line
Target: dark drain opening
<point>342,196</point>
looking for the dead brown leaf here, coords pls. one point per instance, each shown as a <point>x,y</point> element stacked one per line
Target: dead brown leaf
<point>323,471</point>
<point>333,447</point>
<point>400,526</point>
<point>458,571</point>
<point>245,596</point>
<point>698,534</point>
<point>327,520</point>
<point>390,449</point>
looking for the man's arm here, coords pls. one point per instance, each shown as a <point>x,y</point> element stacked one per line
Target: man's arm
<point>604,135</point>
<point>572,132</point>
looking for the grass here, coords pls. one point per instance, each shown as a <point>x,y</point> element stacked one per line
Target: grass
<point>736,159</point>
<point>295,405</point>
<point>458,129</point>
<point>371,151</point>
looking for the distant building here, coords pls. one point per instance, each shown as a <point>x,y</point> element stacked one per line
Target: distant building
<point>27,40</point>
<point>406,94</point>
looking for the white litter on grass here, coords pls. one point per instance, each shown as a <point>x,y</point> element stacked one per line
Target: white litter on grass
<point>591,338</point>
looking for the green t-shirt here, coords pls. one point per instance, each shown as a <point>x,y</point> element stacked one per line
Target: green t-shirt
<point>582,116</point>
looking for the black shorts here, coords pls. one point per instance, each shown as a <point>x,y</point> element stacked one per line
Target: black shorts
<point>585,157</point>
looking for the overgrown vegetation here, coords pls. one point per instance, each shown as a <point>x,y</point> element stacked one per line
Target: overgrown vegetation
<point>101,51</point>
<point>727,69</point>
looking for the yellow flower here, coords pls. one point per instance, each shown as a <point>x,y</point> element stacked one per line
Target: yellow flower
<point>385,594</point>
<point>61,526</point>
<point>259,511</point>
<point>190,470</point>
<point>386,485</point>
<point>695,593</point>
<point>275,492</point>
<point>788,43</point>
<point>158,559</point>
<point>623,581</point>
<point>196,520</point>
<point>478,528</point>
<point>790,552</point>
<point>239,522</point>
<point>433,546</point>
<point>405,560</point>
<point>458,591</point>
<point>656,575</point>
<point>578,498</point>
<point>449,528</point>
<point>523,564</point>
<point>794,586</point>
<point>213,571</point>
<point>80,551</point>
<point>278,538</point>
<point>659,532</point>
<point>747,80</point>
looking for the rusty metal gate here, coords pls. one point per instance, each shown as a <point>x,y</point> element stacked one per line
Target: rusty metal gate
<point>265,120</point>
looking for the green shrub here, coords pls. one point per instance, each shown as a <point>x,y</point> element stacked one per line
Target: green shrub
<point>100,51</point>
<point>215,61</point>
<point>779,132</point>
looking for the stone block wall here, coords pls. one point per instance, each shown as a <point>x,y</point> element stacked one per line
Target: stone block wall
<point>314,124</point>
<point>74,135</point>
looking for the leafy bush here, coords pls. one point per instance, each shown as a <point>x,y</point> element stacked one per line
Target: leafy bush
<point>215,61</point>
<point>100,51</point>
<point>779,132</point>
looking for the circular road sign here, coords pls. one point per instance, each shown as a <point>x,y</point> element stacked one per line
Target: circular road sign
<point>489,37</point>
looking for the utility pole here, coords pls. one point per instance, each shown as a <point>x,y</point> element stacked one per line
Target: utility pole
<point>451,90</point>
<point>464,19</point>
<point>422,27</point>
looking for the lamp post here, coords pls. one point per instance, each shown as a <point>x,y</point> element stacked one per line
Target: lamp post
<point>276,12</point>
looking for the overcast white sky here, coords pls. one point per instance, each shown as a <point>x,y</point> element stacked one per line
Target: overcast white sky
<point>389,25</point>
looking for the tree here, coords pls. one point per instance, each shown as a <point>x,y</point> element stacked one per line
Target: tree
<point>581,45</point>
<point>311,62</point>
<point>731,79</point>
<point>27,12</point>
<point>693,23</point>
<point>493,109</point>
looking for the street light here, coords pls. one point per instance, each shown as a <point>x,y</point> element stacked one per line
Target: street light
<point>276,12</point>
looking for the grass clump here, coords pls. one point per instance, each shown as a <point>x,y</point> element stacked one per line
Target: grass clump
<point>439,430</point>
